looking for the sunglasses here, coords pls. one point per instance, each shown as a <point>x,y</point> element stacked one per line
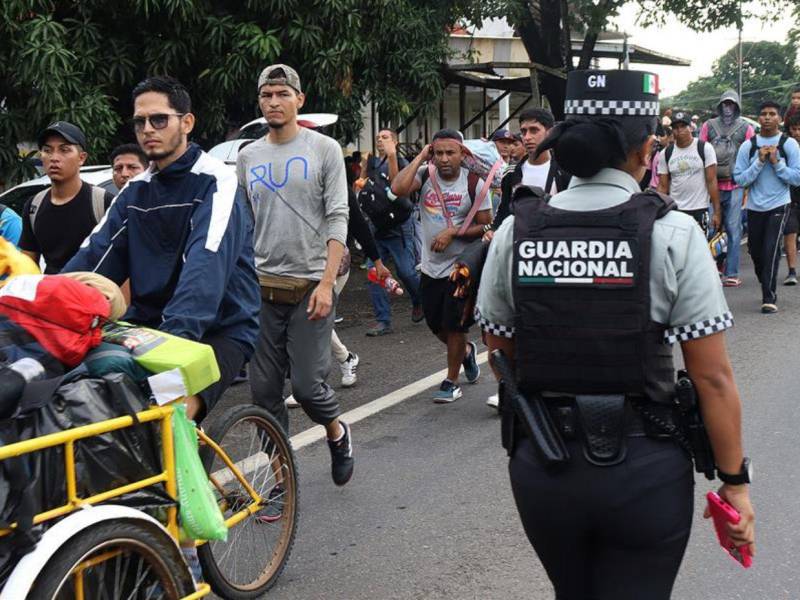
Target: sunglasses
<point>158,121</point>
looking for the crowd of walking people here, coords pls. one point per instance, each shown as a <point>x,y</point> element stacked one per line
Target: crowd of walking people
<point>252,262</point>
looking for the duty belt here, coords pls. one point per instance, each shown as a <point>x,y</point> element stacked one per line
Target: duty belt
<point>564,411</point>
<point>603,422</point>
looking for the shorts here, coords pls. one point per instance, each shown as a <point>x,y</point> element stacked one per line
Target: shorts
<point>230,359</point>
<point>793,222</point>
<point>443,313</point>
<point>701,216</point>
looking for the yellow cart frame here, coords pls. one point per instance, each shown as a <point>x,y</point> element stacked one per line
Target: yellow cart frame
<point>168,476</point>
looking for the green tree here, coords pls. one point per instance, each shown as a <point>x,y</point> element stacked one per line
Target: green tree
<point>769,70</point>
<point>546,28</point>
<point>78,61</point>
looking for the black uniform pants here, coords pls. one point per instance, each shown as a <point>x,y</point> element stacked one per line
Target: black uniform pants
<point>764,234</point>
<point>608,533</point>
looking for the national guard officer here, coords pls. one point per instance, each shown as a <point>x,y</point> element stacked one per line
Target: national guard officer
<point>587,294</point>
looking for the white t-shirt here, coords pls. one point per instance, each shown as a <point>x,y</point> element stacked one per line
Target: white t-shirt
<point>536,176</point>
<point>687,177</point>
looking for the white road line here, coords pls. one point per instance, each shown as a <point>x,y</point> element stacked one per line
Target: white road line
<point>316,433</point>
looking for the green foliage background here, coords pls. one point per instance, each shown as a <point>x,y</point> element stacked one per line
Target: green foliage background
<point>79,60</point>
<point>769,70</point>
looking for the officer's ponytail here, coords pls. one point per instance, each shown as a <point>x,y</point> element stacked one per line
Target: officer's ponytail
<point>584,146</point>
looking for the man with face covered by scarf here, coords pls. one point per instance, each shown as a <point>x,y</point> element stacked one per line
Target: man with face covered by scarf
<point>726,133</point>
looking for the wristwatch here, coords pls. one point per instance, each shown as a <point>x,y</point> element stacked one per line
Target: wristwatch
<point>745,474</point>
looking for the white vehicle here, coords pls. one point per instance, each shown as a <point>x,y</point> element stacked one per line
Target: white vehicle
<point>16,197</point>
<point>227,151</point>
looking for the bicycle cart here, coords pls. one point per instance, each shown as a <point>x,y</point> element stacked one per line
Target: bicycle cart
<point>95,548</point>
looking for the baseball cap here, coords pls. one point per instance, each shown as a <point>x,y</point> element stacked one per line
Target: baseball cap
<point>280,75</point>
<point>682,117</point>
<point>604,94</point>
<point>71,133</point>
<point>502,134</point>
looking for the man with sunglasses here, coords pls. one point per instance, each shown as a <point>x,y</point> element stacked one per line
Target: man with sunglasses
<point>56,220</point>
<point>182,232</point>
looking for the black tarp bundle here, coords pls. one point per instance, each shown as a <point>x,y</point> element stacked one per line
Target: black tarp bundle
<point>36,482</point>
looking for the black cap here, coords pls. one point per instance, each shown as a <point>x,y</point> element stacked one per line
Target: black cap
<point>611,93</point>
<point>71,133</point>
<point>502,134</point>
<point>682,117</point>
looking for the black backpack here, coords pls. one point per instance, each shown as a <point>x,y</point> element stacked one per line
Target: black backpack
<point>781,144</point>
<point>383,212</point>
<point>701,150</point>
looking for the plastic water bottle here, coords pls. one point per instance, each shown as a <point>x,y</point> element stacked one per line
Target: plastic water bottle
<point>390,284</point>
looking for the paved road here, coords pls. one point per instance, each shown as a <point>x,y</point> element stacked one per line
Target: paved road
<point>429,512</point>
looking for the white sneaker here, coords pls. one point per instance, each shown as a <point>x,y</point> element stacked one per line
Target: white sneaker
<point>348,368</point>
<point>493,401</point>
<point>291,402</point>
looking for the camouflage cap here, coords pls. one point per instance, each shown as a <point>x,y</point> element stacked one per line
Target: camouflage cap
<point>280,75</point>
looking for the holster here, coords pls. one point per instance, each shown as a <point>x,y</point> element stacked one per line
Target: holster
<point>602,421</point>
<point>530,417</point>
<point>284,290</point>
<point>508,421</point>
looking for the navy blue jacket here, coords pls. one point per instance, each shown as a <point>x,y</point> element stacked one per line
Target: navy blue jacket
<point>184,238</point>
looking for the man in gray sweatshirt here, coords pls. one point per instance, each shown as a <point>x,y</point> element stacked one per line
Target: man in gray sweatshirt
<point>295,180</point>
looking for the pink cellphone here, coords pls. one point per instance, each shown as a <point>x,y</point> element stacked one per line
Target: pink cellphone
<point>722,513</point>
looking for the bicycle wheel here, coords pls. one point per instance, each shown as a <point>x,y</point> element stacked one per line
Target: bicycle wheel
<point>250,561</point>
<point>117,559</point>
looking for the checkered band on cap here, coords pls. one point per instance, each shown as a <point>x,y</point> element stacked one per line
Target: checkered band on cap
<point>625,108</point>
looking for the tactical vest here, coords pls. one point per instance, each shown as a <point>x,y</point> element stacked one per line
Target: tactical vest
<point>582,295</point>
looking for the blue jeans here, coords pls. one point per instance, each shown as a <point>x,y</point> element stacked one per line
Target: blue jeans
<point>401,250</point>
<point>731,204</point>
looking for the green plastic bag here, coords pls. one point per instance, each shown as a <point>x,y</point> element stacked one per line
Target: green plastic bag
<point>182,367</point>
<point>201,517</point>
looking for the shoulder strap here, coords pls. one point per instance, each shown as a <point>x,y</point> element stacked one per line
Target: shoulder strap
<point>701,150</point>
<point>551,175</point>
<point>753,146</point>
<point>665,203</point>
<point>98,203</point>
<point>423,178</point>
<point>477,201</point>
<point>36,202</point>
<point>668,154</point>
<point>713,124</point>
<point>472,186</point>
<point>781,144</point>
<point>740,123</point>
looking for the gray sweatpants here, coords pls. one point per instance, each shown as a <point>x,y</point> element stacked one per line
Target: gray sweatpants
<point>289,341</point>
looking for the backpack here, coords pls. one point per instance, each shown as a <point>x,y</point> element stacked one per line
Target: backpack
<point>472,183</point>
<point>98,204</point>
<point>781,143</point>
<point>726,145</point>
<point>701,150</point>
<point>384,212</point>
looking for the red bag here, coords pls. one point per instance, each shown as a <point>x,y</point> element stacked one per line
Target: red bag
<point>64,315</point>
